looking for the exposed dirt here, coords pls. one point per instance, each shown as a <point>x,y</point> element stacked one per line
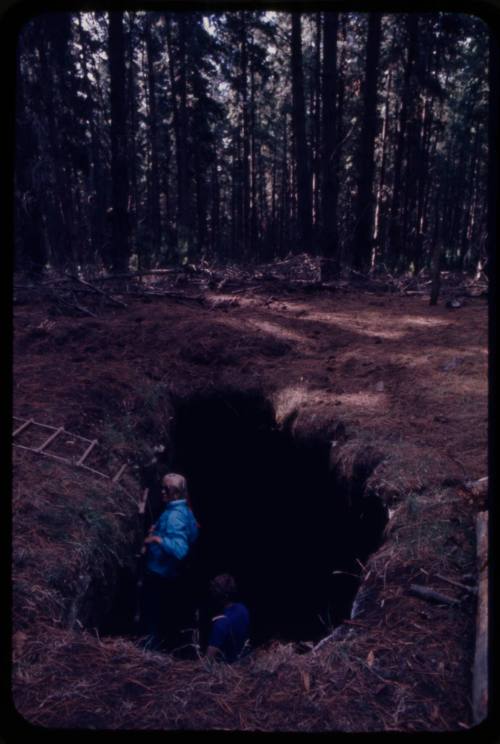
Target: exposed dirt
<point>399,387</point>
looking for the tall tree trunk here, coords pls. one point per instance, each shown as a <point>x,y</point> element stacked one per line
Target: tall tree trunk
<point>61,62</point>
<point>284,202</point>
<point>131,146</point>
<point>317,148</point>
<point>378,234</point>
<point>330,238</point>
<point>60,217</point>
<point>422,186</point>
<point>302,172</point>
<point>395,225</point>
<point>416,175</point>
<point>245,136</point>
<point>28,219</point>
<point>94,189</point>
<point>436,250</point>
<point>341,85</point>
<point>154,205</point>
<point>263,220</point>
<point>215,211</point>
<point>363,233</point>
<point>179,103</point>
<point>119,171</point>
<point>184,227</point>
<point>201,187</point>
<point>254,225</point>
<point>236,198</point>
<point>470,201</point>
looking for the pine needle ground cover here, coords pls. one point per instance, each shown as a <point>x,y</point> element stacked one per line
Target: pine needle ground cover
<point>396,388</point>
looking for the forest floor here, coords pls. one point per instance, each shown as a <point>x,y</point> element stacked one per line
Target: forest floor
<point>402,389</point>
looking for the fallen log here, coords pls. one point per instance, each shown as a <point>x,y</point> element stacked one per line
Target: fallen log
<point>480,665</point>
<point>178,296</point>
<point>91,288</point>
<point>432,596</point>
<point>136,274</point>
<point>74,306</point>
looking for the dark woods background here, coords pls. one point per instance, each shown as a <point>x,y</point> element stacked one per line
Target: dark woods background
<point>147,138</point>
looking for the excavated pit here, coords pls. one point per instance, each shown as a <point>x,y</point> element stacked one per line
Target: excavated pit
<point>272,514</point>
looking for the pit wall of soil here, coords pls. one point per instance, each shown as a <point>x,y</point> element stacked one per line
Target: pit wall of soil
<point>151,447</point>
<point>409,654</point>
<point>89,530</point>
<point>66,559</point>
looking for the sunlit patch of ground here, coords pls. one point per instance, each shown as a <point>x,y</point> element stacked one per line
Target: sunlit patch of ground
<point>399,388</point>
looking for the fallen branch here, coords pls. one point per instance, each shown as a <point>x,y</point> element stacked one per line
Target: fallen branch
<point>138,274</point>
<point>173,295</point>
<point>245,289</point>
<point>471,589</point>
<point>74,305</point>
<point>431,596</point>
<point>97,290</point>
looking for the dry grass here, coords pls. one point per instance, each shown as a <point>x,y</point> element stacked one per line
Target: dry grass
<point>401,663</point>
<point>393,667</point>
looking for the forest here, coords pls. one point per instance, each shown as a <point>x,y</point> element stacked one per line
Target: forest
<point>149,139</point>
<point>232,228</point>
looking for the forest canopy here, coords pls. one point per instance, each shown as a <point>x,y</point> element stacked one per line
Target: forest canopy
<point>145,139</point>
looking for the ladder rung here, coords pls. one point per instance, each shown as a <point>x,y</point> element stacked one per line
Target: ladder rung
<point>119,473</point>
<point>49,440</point>
<point>97,472</point>
<point>22,427</point>
<point>45,454</point>
<point>57,431</point>
<point>87,452</point>
<point>45,426</point>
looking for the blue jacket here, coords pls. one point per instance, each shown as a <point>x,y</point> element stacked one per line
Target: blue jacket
<point>230,630</point>
<point>178,530</point>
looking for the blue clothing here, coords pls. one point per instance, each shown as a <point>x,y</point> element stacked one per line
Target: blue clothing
<point>230,631</point>
<point>178,530</point>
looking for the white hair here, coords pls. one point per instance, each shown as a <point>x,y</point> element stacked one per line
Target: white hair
<point>176,484</point>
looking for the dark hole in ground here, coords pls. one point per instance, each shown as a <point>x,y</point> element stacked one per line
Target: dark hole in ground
<point>272,515</point>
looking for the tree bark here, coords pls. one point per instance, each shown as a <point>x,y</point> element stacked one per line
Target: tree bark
<point>28,220</point>
<point>154,206</point>
<point>284,212</point>
<point>395,226</point>
<point>317,145</point>
<point>245,137</point>
<point>254,221</point>
<point>131,132</point>
<point>329,180</point>
<point>363,233</point>
<point>303,181</point>
<point>215,211</point>
<point>119,171</point>
<point>59,213</point>
<point>179,103</point>
<point>379,206</point>
<point>436,250</point>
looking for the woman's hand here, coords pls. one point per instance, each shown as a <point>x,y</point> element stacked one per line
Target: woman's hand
<point>152,539</point>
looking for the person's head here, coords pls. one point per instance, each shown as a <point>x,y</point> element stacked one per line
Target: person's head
<point>223,589</point>
<point>173,486</point>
